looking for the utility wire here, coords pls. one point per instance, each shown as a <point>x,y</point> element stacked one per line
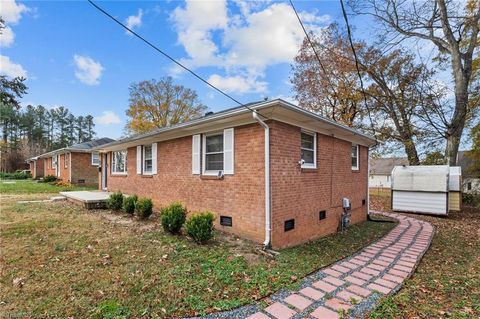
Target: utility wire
<point>171,58</point>
<point>349,33</point>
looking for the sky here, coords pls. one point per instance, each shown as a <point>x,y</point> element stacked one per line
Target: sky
<point>74,56</point>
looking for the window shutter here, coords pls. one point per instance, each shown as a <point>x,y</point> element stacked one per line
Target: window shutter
<point>154,158</point>
<point>139,159</point>
<point>228,146</point>
<point>196,154</point>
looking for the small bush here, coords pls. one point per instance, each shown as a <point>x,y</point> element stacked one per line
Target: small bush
<point>63,183</point>
<point>115,201</point>
<point>143,208</point>
<point>49,179</point>
<point>129,204</point>
<point>200,227</point>
<point>173,217</point>
<point>16,175</point>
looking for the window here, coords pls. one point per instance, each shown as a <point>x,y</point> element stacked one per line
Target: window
<point>147,159</point>
<point>54,162</point>
<point>119,162</point>
<point>213,153</point>
<point>95,158</point>
<point>308,150</point>
<point>354,157</point>
<point>65,158</point>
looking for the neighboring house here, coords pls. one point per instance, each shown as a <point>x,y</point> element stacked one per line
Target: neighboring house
<point>470,179</point>
<point>276,175</point>
<point>77,163</point>
<point>381,170</point>
<point>36,167</point>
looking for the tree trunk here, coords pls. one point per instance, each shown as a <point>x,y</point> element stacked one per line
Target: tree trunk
<point>411,151</point>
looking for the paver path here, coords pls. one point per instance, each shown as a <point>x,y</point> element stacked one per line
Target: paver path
<point>353,285</point>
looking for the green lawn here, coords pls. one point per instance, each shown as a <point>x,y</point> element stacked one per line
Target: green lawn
<point>29,186</point>
<point>60,260</point>
<point>446,283</point>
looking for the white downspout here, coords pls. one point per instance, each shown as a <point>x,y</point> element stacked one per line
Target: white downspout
<point>266,243</point>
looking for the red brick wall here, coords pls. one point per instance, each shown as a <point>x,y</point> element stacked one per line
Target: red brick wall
<point>82,169</point>
<point>240,196</point>
<point>48,167</point>
<point>38,171</point>
<point>301,193</point>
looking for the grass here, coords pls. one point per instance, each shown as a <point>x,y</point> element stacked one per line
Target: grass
<point>62,261</point>
<point>29,186</point>
<point>446,284</point>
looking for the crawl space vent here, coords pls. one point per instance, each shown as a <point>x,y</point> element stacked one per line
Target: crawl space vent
<point>289,224</point>
<point>226,221</point>
<point>322,214</point>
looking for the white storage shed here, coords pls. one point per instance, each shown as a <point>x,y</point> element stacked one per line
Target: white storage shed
<point>422,189</point>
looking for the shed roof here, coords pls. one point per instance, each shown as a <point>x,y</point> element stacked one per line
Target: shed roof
<point>275,110</point>
<point>384,166</point>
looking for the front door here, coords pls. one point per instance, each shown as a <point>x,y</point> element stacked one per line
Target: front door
<point>104,171</point>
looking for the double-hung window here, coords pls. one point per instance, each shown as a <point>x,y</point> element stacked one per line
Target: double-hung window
<point>119,162</point>
<point>54,162</point>
<point>308,150</point>
<point>95,159</point>
<point>65,158</point>
<point>147,159</point>
<point>355,165</point>
<point>213,153</point>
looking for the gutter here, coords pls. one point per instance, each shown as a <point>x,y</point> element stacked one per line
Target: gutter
<point>267,241</point>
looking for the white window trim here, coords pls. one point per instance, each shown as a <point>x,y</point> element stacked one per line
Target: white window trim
<point>93,164</point>
<point>314,134</point>
<point>112,165</point>
<point>356,167</point>
<point>204,154</point>
<point>65,164</point>
<point>54,162</point>
<point>144,172</point>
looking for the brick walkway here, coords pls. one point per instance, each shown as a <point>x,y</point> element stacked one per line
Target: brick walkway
<point>353,286</point>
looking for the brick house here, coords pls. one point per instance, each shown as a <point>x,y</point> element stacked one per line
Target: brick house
<point>276,175</point>
<point>77,163</point>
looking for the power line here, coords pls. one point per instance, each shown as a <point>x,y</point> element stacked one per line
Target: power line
<point>349,33</point>
<point>170,57</point>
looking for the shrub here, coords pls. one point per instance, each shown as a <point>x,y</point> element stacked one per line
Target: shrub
<point>173,217</point>
<point>115,201</point>
<point>200,227</point>
<point>471,199</point>
<point>129,204</point>
<point>63,183</point>
<point>16,175</point>
<point>143,208</point>
<point>49,179</point>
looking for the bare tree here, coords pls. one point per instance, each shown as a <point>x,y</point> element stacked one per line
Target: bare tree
<point>453,30</point>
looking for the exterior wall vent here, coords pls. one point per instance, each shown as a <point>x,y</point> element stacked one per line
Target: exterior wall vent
<point>226,221</point>
<point>289,224</point>
<point>322,214</point>
<point>364,201</point>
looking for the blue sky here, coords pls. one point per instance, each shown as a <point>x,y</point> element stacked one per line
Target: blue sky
<point>74,56</point>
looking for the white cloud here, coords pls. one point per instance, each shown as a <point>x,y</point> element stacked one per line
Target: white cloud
<point>107,118</point>
<point>87,70</point>
<point>262,35</point>
<point>134,21</point>
<point>10,69</point>
<point>11,12</point>
<point>237,84</point>
<point>7,37</point>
